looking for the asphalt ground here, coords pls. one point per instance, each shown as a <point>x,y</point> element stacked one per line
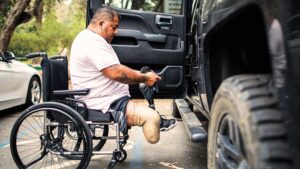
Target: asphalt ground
<point>173,151</point>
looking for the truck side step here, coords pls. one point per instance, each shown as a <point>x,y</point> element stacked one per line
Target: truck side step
<point>193,126</point>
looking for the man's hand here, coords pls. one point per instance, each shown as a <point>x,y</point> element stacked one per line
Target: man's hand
<point>124,74</point>
<point>152,78</point>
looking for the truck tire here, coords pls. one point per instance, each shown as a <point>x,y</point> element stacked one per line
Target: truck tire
<point>246,128</point>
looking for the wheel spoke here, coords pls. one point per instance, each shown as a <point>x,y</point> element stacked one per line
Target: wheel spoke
<point>244,165</point>
<point>50,140</point>
<point>224,162</point>
<point>35,160</point>
<point>35,92</point>
<point>231,130</point>
<point>223,126</point>
<point>230,146</point>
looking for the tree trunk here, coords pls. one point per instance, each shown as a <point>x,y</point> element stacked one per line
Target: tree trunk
<point>38,10</point>
<point>126,6</point>
<point>158,6</point>
<point>137,4</point>
<point>16,17</point>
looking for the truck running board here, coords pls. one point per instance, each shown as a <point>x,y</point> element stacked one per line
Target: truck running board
<point>193,126</point>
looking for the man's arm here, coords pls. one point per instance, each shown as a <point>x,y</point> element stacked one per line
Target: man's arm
<point>124,74</point>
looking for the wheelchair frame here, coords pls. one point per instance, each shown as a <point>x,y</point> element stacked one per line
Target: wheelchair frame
<point>63,116</point>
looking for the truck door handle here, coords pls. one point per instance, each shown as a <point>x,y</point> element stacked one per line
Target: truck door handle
<point>160,38</point>
<point>164,22</point>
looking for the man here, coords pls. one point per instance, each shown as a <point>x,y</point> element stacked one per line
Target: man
<point>95,65</point>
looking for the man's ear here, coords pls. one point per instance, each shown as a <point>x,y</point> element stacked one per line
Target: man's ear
<point>101,23</point>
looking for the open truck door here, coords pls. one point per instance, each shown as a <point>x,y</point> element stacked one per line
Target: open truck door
<point>153,35</point>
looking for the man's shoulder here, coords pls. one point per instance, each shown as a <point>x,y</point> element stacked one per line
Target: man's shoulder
<point>83,40</point>
<point>88,37</point>
<point>84,34</point>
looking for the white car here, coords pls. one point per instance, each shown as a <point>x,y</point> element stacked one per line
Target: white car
<point>19,83</point>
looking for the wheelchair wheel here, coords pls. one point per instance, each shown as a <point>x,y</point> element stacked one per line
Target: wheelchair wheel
<point>39,138</point>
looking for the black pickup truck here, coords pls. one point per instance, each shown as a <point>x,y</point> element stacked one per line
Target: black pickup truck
<point>236,61</point>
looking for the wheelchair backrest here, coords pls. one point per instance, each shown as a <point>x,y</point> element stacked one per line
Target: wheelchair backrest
<point>55,76</point>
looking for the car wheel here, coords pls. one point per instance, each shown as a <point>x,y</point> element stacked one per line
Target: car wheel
<point>34,92</point>
<point>246,128</point>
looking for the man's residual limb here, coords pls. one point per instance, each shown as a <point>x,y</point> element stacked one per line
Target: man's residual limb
<point>147,91</point>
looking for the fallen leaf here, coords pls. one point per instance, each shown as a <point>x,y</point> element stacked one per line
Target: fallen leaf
<point>170,165</point>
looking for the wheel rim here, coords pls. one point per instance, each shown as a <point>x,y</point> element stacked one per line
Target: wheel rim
<point>36,146</point>
<point>35,92</point>
<point>230,147</point>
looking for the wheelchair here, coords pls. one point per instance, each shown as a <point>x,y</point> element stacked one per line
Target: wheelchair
<point>62,132</point>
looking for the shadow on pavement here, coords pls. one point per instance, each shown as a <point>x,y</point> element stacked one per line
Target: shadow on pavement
<point>12,111</point>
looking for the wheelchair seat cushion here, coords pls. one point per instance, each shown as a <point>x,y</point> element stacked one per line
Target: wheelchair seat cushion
<point>116,113</point>
<point>95,115</point>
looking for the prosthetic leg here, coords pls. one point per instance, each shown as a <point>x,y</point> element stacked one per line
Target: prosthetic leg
<point>146,90</point>
<point>165,124</point>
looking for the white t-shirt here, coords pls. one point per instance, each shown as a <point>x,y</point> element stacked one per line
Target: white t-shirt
<point>90,53</point>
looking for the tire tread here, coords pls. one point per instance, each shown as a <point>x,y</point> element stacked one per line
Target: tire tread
<point>266,119</point>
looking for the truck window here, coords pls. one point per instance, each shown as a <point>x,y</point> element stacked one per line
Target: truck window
<point>161,6</point>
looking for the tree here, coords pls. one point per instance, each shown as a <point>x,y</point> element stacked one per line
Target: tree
<point>4,8</point>
<point>61,23</point>
<point>18,14</point>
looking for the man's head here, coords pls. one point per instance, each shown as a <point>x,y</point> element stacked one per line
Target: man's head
<point>105,23</point>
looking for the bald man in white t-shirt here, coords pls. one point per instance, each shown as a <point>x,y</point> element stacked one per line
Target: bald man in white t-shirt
<point>95,65</point>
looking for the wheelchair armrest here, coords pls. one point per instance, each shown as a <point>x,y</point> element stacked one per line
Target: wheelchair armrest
<point>71,92</point>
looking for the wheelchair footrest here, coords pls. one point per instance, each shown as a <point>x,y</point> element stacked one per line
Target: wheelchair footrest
<point>112,164</point>
<point>114,160</point>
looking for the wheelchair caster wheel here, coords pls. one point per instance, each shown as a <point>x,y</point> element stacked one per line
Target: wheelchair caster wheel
<point>121,156</point>
<point>122,144</point>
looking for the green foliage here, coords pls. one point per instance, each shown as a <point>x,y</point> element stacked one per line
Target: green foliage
<point>52,36</point>
<point>5,7</point>
<point>145,5</point>
<point>149,6</point>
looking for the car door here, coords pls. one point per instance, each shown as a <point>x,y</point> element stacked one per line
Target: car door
<point>10,78</point>
<point>151,33</point>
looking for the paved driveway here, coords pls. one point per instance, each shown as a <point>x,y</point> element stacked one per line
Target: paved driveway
<point>174,150</point>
